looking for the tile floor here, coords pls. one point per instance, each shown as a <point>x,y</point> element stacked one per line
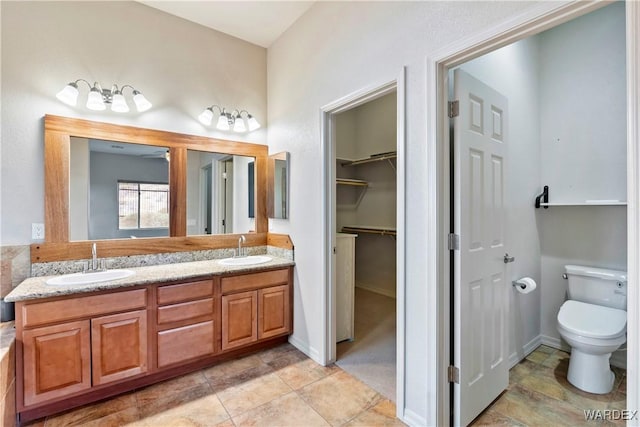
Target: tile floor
<point>282,387</point>
<point>276,387</point>
<point>540,395</point>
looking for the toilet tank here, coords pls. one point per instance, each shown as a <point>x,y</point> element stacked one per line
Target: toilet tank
<point>598,286</point>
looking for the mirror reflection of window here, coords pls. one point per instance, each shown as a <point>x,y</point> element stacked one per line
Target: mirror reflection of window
<point>143,205</point>
<point>97,168</point>
<point>217,193</point>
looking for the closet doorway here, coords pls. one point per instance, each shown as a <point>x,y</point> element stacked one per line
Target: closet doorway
<point>364,238</point>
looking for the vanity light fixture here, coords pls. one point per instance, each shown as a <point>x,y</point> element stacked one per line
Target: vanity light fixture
<point>98,98</point>
<point>229,120</point>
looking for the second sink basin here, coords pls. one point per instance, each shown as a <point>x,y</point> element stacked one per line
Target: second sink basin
<point>247,260</point>
<point>91,277</point>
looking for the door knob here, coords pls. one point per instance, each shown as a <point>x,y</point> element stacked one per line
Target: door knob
<point>508,259</point>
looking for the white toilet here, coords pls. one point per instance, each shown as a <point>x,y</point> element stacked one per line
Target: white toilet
<point>593,321</point>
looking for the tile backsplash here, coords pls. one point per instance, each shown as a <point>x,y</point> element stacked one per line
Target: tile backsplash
<point>15,265</point>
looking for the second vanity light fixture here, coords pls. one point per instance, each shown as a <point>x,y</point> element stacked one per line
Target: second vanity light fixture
<point>229,120</point>
<point>98,97</point>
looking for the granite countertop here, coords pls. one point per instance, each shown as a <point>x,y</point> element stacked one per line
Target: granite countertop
<point>36,287</point>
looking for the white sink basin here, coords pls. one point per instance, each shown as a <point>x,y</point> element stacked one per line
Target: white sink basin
<point>247,260</point>
<point>91,277</point>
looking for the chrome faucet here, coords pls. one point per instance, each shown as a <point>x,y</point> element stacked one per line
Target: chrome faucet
<point>94,257</point>
<point>241,250</point>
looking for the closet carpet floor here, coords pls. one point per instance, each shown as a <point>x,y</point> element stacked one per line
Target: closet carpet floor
<point>371,356</point>
<point>276,387</point>
<point>539,394</point>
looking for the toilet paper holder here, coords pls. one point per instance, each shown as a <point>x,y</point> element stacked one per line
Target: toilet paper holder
<point>524,285</point>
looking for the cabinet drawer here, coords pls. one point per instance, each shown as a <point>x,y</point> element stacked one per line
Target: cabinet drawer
<point>188,342</point>
<point>185,311</point>
<point>255,280</point>
<point>185,292</point>
<point>81,307</point>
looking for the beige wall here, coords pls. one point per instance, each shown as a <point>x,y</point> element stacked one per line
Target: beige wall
<point>180,67</point>
<point>336,49</point>
<point>360,132</point>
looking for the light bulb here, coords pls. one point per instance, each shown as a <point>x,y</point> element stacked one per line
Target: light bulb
<point>223,122</point>
<point>94,100</point>
<point>118,103</point>
<point>206,116</point>
<point>253,123</point>
<point>142,104</point>
<point>238,124</point>
<point>69,94</point>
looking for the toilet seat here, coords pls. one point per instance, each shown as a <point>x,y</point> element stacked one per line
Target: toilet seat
<point>593,321</point>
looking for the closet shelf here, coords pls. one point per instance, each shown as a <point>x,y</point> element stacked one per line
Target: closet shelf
<point>354,182</point>
<point>383,231</point>
<point>373,158</point>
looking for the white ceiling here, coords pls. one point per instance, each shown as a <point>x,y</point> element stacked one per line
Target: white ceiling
<point>258,22</point>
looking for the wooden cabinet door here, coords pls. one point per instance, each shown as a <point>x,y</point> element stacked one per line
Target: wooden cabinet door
<point>57,361</point>
<point>274,316</point>
<point>119,346</point>
<point>239,322</point>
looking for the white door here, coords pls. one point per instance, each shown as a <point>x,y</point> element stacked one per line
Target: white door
<point>480,287</point>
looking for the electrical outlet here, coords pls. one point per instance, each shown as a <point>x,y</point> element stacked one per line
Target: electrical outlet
<point>37,231</point>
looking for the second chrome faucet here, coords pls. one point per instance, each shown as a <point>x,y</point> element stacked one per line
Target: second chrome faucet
<point>95,264</point>
<point>242,252</point>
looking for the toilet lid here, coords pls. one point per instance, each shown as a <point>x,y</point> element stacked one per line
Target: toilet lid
<point>591,320</point>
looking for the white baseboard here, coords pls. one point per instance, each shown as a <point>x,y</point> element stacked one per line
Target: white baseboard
<point>377,290</point>
<point>410,418</point>
<point>305,348</point>
<point>556,343</point>
<point>528,348</point>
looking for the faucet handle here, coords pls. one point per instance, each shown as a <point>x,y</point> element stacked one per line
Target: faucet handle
<point>84,264</point>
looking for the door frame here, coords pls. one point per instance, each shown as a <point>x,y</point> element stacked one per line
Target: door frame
<point>327,129</point>
<point>535,20</point>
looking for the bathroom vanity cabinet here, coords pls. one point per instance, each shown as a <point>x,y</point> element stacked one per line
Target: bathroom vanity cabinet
<point>70,344</point>
<point>80,348</point>
<point>255,308</point>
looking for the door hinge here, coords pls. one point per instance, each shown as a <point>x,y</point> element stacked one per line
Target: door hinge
<point>454,242</point>
<point>334,250</point>
<point>224,175</point>
<point>454,109</point>
<point>453,374</point>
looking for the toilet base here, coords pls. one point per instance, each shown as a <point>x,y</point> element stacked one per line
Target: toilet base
<point>590,372</point>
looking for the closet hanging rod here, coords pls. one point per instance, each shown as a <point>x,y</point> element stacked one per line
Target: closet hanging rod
<point>373,158</point>
<point>370,230</point>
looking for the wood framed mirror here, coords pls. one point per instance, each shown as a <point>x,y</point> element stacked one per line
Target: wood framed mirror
<point>58,134</point>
